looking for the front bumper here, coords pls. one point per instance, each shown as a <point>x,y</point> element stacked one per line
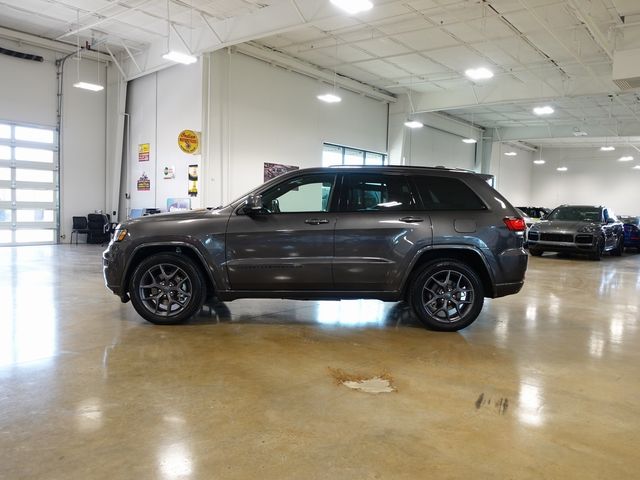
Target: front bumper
<point>563,242</point>
<point>113,268</point>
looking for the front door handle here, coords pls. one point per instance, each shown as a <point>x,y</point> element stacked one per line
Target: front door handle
<point>316,221</point>
<point>411,219</point>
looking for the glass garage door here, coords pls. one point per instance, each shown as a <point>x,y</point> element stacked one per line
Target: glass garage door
<point>28,185</point>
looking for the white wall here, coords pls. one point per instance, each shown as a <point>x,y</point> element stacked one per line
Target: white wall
<point>160,106</point>
<point>28,94</point>
<point>594,177</point>
<point>430,147</point>
<point>513,175</point>
<point>267,114</point>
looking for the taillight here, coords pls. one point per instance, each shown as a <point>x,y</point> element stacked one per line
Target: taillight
<point>515,224</point>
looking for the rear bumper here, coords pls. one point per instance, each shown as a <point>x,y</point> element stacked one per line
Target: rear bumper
<point>504,289</point>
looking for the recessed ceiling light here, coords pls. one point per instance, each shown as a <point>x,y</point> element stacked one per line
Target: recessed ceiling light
<point>510,154</point>
<point>353,6</point>
<point>626,158</point>
<point>180,57</point>
<point>88,86</point>
<point>546,110</point>
<point>469,140</point>
<point>539,162</point>
<point>329,98</point>
<point>562,169</point>
<point>637,167</point>
<point>607,149</point>
<point>479,73</point>
<point>580,133</point>
<point>413,124</point>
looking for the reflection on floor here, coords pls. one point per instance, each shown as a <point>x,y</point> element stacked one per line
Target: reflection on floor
<point>544,385</point>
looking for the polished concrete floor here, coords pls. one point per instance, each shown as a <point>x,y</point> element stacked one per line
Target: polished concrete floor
<point>545,384</point>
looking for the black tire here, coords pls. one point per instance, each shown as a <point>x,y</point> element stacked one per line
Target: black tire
<point>446,295</point>
<point>536,252</point>
<point>617,251</point>
<point>597,253</point>
<point>167,289</point>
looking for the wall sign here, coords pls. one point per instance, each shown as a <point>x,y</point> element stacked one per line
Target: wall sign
<point>193,180</point>
<point>189,141</point>
<point>143,152</point>
<point>143,184</point>
<point>273,170</point>
<point>169,173</point>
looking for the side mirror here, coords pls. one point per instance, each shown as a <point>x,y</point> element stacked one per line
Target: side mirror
<point>253,205</point>
<point>611,220</point>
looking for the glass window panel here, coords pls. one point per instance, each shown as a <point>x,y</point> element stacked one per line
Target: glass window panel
<point>302,194</point>
<point>331,155</point>
<point>5,215</point>
<point>36,215</point>
<point>5,173</point>
<point>5,131</point>
<point>5,195</point>
<point>442,193</point>
<point>374,159</point>
<point>34,195</point>
<point>5,236</point>
<point>29,236</point>
<point>39,135</point>
<point>353,157</point>
<point>34,154</point>
<point>5,152</point>
<point>29,175</point>
<point>377,193</point>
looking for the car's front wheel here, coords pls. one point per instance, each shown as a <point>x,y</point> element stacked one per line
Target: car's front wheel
<point>446,295</point>
<point>536,252</point>
<point>617,251</point>
<point>167,288</point>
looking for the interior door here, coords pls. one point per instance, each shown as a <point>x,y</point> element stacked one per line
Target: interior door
<point>378,231</point>
<point>288,245</point>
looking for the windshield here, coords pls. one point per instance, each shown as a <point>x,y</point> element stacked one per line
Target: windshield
<point>630,220</point>
<point>576,214</point>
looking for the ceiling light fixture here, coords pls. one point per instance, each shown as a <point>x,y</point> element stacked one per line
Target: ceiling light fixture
<point>353,6</point>
<point>469,140</point>
<point>579,133</point>
<point>481,73</point>
<point>546,110</point>
<point>637,167</point>
<point>562,169</point>
<point>607,149</point>
<point>175,55</point>
<point>413,124</point>
<point>93,87</point>
<point>539,162</point>
<point>510,154</point>
<point>626,158</point>
<point>329,98</point>
<point>88,86</point>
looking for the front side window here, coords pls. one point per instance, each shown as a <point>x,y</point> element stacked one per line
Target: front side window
<point>373,192</point>
<point>443,193</point>
<point>310,193</point>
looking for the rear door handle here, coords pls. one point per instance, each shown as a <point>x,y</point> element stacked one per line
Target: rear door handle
<point>316,221</point>
<point>411,219</point>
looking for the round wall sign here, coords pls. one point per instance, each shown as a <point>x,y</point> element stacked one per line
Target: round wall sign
<point>189,141</point>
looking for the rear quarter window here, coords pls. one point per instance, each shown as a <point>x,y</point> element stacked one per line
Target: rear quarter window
<point>443,193</point>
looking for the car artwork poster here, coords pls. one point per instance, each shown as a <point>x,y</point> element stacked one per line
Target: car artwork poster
<point>193,181</point>
<point>169,173</point>
<point>144,183</point>
<point>273,170</point>
<point>143,152</point>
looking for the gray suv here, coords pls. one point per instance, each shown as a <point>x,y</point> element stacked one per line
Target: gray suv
<point>441,239</point>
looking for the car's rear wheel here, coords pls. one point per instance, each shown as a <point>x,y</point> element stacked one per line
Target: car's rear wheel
<point>167,289</point>
<point>536,252</point>
<point>446,295</point>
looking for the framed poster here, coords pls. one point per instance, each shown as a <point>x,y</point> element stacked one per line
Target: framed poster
<point>144,183</point>
<point>193,181</point>
<point>143,152</point>
<point>273,170</point>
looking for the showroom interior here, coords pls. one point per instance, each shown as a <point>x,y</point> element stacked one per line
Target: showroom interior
<point>113,111</point>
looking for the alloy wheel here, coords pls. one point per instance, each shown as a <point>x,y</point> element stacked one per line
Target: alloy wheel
<point>165,289</point>
<point>448,295</point>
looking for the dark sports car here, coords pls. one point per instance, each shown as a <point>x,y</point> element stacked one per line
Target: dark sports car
<point>631,232</point>
<point>579,229</point>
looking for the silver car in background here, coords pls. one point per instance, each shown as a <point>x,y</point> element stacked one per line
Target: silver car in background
<point>587,229</point>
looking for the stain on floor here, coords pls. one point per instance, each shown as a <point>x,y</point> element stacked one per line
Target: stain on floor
<point>381,383</point>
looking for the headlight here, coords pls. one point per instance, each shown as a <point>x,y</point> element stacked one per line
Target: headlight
<point>120,234</point>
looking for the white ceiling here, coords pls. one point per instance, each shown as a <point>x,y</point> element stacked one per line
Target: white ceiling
<point>552,49</point>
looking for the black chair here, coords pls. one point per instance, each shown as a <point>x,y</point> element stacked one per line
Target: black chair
<point>98,228</point>
<point>80,226</point>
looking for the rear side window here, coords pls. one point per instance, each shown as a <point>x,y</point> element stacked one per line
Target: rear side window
<point>376,193</point>
<point>443,193</point>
